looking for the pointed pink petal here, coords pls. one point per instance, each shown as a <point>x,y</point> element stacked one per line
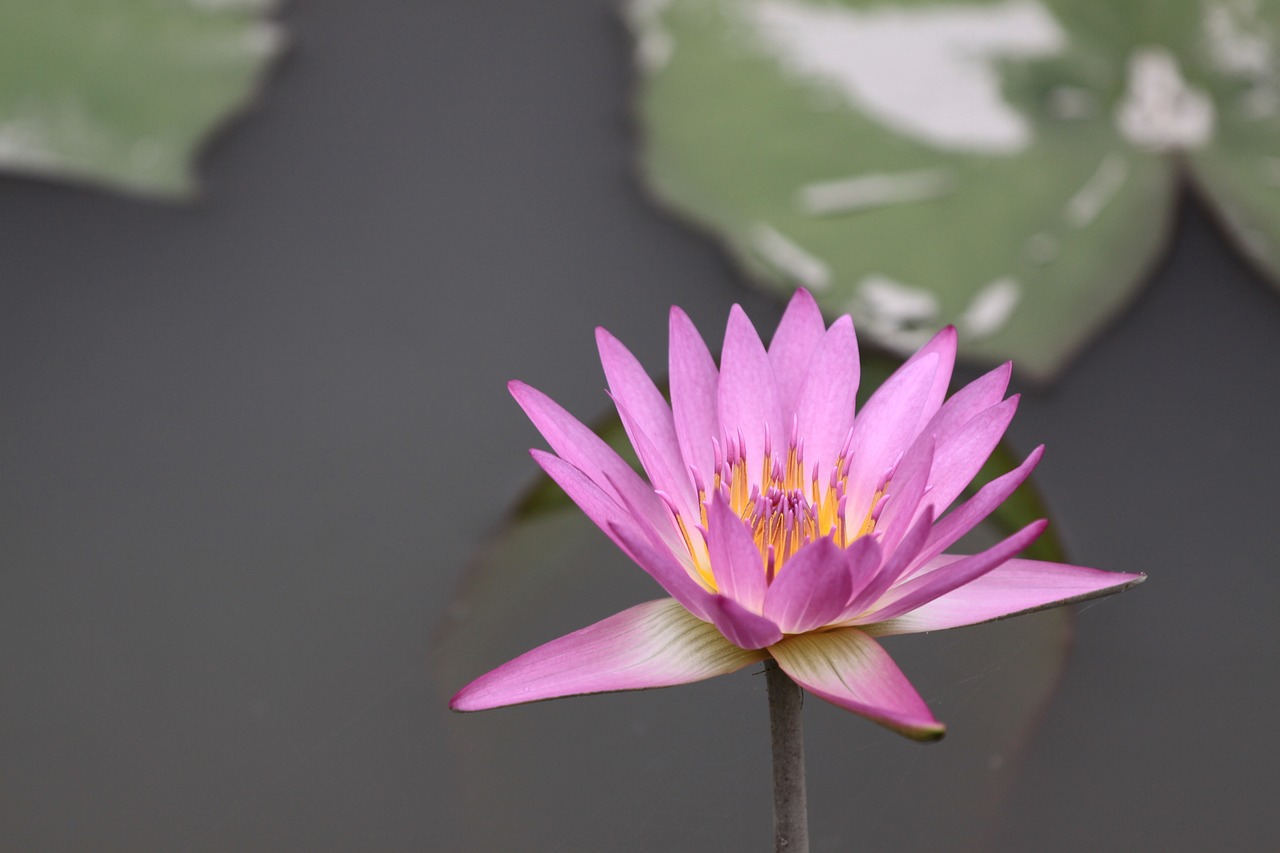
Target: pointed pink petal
<point>1014,588</point>
<point>656,644</point>
<point>663,566</point>
<point>849,669</point>
<point>598,505</point>
<point>925,587</point>
<point>694,395</point>
<point>641,542</point>
<point>735,560</point>
<point>978,396</point>
<point>893,568</point>
<point>903,500</point>
<point>657,465</point>
<point>793,346</point>
<point>811,589</point>
<point>585,450</point>
<point>748,395</point>
<point>885,428</point>
<point>865,557</point>
<point>645,410</point>
<point>962,452</point>
<point>943,345</point>
<point>740,626</point>
<point>825,406</point>
<point>969,514</point>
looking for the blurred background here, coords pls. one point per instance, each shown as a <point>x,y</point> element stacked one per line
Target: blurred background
<point>251,447</point>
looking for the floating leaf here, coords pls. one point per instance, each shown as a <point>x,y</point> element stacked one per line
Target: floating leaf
<point>548,565</point>
<point>1008,166</point>
<point>122,94</point>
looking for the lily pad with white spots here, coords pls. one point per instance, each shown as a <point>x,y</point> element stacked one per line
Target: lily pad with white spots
<point>1009,166</point>
<point>122,94</point>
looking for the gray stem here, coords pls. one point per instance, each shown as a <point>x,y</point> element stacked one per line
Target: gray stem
<point>790,810</point>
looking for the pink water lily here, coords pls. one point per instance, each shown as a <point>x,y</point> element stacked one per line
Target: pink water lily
<point>782,525</point>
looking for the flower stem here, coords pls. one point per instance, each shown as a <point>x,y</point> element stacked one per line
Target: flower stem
<point>790,810</point>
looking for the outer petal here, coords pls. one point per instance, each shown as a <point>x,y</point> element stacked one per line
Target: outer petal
<point>662,566</point>
<point>645,410</point>
<point>694,395</point>
<point>587,452</point>
<point>735,559</point>
<point>609,515</point>
<point>962,452</point>
<point>924,588</point>
<point>848,668</point>
<point>656,644</point>
<point>885,428</point>
<point>978,396</point>
<point>811,589</point>
<point>1017,587</point>
<point>793,346</point>
<point>658,465</point>
<point>748,393</point>
<point>969,514</point>
<point>943,345</point>
<point>824,409</point>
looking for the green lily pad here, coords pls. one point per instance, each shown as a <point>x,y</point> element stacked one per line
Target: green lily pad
<point>122,94</point>
<point>548,570</point>
<point>1009,166</point>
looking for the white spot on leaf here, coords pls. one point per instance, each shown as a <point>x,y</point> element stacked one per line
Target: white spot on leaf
<point>991,308</point>
<point>865,192</point>
<point>790,259</point>
<point>654,45</point>
<point>1160,110</point>
<point>1097,192</point>
<point>926,72</point>
<point>897,314</point>
<point>1237,42</point>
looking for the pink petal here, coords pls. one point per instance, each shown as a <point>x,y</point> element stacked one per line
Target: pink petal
<point>969,514</point>
<point>902,501</point>
<point>893,568</point>
<point>663,566</point>
<point>657,464</point>
<point>962,452</point>
<point>656,644</point>
<point>978,396</point>
<point>735,559</point>
<point>1011,589</point>
<point>748,402</point>
<point>848,668</point>
<point>885,428</point>
<point>598,505</point>
<point>825,406</point>
<point>793,346</point>
<point>586,451</point>
<point>865,557</point>
<point>740,626</point>
<point>646,411</point>
<point>812,588</point>
<point>925,587</point>
<point>694,395</point>
<point>943,345</point>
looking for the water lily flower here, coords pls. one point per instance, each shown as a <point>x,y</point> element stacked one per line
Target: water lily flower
<point>782,525</point>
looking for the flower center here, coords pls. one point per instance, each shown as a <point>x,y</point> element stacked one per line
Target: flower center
<point>787,508</point>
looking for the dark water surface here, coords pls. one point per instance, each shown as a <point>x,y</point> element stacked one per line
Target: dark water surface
<point>248,448</point>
